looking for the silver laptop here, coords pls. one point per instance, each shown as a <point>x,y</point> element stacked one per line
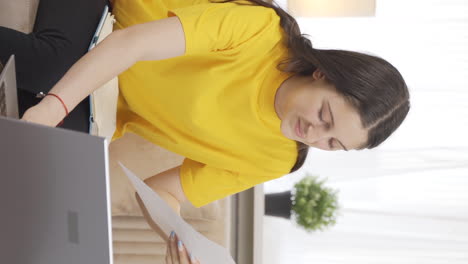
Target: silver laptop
<point>54,196</point>
<point>8,95</point>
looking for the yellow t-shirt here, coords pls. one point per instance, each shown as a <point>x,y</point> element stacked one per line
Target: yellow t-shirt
<point>215,104</point>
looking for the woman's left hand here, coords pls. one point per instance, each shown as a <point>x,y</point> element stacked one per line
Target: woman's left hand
<point>177,253</point>
<point>48,112</point>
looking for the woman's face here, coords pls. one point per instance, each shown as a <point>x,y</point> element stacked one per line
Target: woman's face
<point>312,112</point>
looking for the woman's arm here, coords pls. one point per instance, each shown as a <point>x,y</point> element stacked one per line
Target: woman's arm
<point>156,40</point>
<point>167,185</point>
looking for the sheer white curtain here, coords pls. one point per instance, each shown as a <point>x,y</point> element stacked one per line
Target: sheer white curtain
<point>406,202</point>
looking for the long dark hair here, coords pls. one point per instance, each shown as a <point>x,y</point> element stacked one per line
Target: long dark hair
<point>371,84</point>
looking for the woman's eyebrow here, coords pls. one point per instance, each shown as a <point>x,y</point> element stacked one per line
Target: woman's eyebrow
<point>333,123</point>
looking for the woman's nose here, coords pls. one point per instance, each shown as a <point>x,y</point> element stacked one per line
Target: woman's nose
<point>316,133</point>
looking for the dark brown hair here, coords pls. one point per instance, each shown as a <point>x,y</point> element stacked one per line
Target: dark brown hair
<point>371,84</point>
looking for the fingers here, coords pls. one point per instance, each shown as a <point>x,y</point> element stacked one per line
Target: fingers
<point>177,253</point>
<point>172,257</point>
<point>168,255</point>
<point>194,261</point>
<point>183,256</point>
<point>173,248</point>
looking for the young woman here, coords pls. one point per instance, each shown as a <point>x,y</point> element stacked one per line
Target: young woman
<point>235,88</point>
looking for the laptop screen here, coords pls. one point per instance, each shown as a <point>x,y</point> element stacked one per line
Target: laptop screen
<point>8,93</point>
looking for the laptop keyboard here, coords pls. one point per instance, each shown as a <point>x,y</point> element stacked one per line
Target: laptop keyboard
<point>2,100</point>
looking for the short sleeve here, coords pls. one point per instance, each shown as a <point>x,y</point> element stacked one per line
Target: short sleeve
<point>203,184</point>
<point>220,26</point>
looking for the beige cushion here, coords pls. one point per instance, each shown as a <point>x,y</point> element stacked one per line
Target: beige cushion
<point>18,14</point>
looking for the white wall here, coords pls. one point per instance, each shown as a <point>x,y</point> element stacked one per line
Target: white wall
<point>406,202</point>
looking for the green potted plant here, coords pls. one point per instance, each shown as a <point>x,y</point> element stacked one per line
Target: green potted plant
<point>311,204</point>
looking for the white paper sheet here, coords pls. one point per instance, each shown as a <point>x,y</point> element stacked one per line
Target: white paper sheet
<point>206,251</point>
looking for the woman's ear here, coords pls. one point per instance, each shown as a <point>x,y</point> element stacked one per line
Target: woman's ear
<point>318,75</point>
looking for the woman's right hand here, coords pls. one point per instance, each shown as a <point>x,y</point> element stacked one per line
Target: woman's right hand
<point>177,253</point>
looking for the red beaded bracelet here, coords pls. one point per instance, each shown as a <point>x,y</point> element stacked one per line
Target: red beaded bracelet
<point>63,104</point>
